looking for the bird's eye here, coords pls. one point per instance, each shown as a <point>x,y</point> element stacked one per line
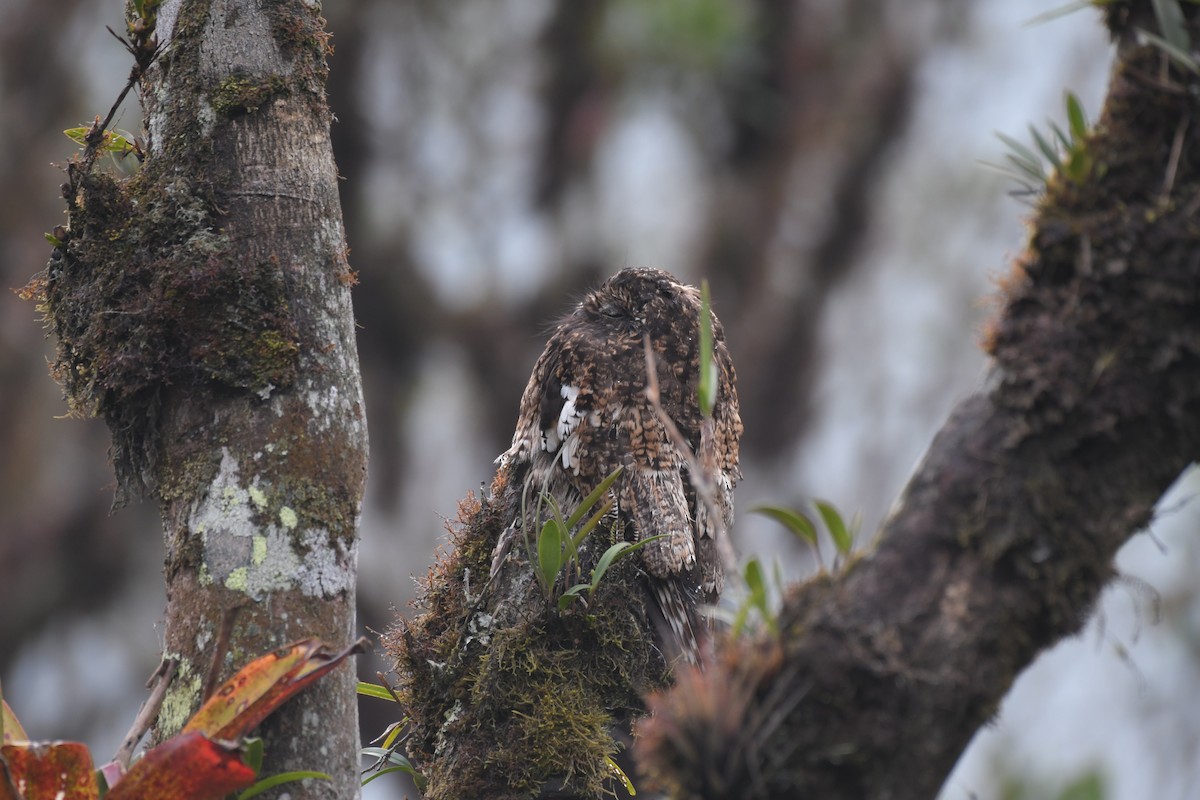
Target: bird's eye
<point>613,310</point>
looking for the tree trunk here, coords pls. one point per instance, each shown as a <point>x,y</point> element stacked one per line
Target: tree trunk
<point>1005,536</point>
<point>203,308</point>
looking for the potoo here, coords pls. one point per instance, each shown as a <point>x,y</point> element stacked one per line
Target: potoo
<point>585,412</point>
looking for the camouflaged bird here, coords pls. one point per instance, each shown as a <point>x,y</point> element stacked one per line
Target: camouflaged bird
<point>585,412</point>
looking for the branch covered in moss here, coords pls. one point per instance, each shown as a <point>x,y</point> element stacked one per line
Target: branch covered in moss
<point>506,695</point>
<point>1005,536</point>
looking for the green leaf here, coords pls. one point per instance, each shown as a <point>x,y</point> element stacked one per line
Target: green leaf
<point>393,732</point>
<point>614,554</point>
<point>397,761</point>
<point>1047,149</point>
<point>374,690</point>
<point>1060,136</point>
<point>757,597</point>
<point>1171,23</point>
<point>1028,170</point>
<point>620,775</point>
<point>590,525</point>
<point>253,755</point>
<point>111,141</point>
<point>707,390</point>
<point>281,778</point>
<point>755,581</point>
<point>593,498</point>
<point>77,135</point>
<point>1076,118</point>
<point>54,240</point>
<point>384,771</point>
<point>795,521</point>
<point>608,558</point>
<point>550,553</point>
<point>842,540</point>
<point>1182,58</point>
<point>1088,787</point>
<point>570,595</point>
<point>1061,11</point>
<point>1024,157</point>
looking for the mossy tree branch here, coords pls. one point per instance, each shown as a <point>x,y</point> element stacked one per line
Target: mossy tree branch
<point>1006,534</point>
<point>506,695</point>
<point>202,307</point>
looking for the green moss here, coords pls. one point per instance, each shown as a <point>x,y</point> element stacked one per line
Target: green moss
<point>146,294</point>
<point>241,94</point>
<point>502,689</point>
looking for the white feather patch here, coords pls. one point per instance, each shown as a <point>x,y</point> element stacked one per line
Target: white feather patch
<point>569,417</point>
<point>562,438</point>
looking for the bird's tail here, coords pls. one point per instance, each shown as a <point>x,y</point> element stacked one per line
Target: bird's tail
<point>678,623</point>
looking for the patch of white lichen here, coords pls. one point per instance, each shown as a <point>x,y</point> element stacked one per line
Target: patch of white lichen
<point>248,549</point>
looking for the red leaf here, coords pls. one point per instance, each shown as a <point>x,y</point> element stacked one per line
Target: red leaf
<point>262,686</point>
<point>50,771</point>
<point>185,767</point>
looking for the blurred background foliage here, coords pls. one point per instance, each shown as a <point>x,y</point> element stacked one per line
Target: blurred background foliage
<point>815,160</point>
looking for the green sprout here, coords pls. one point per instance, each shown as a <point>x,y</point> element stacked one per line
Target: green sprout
<point>1065,151</point>
<point>386,758</point>
<point>558,549</point>
<point>804,528</point>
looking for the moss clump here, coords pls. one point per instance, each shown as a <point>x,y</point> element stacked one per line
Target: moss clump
<point>144,297</point>
<point>508,697</point>
<point>240,93</point>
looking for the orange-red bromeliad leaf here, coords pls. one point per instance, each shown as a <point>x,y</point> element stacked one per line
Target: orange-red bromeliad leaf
<point>262,686</point>
<point>185,767</point>
<point>50,771</point>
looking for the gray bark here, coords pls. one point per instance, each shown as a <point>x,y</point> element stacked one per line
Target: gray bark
<point>203,308</point>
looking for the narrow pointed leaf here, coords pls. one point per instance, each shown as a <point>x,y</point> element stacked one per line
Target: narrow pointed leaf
<point>1026,155</point>
<point>1076,118</point>
<point>374,690</point>
<point>836,526</point>
<point>591,524</point>
<point>620,775</point>
<point>1171,24</point>
<point>1047,149</point>
<point>593,498</point>
<point>550,554</point>
<point>280,779</point>
<point>1182,58</point>
<point>795,521</point>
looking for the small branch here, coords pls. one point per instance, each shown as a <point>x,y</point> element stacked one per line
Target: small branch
<point>219,651</point>
<point>148,713</point>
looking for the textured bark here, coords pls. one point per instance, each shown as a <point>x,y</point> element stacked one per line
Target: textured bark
<point>203,308</point>
<point>1005,536</point>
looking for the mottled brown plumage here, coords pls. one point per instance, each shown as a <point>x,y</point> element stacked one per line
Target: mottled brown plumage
<point>585,412</point>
